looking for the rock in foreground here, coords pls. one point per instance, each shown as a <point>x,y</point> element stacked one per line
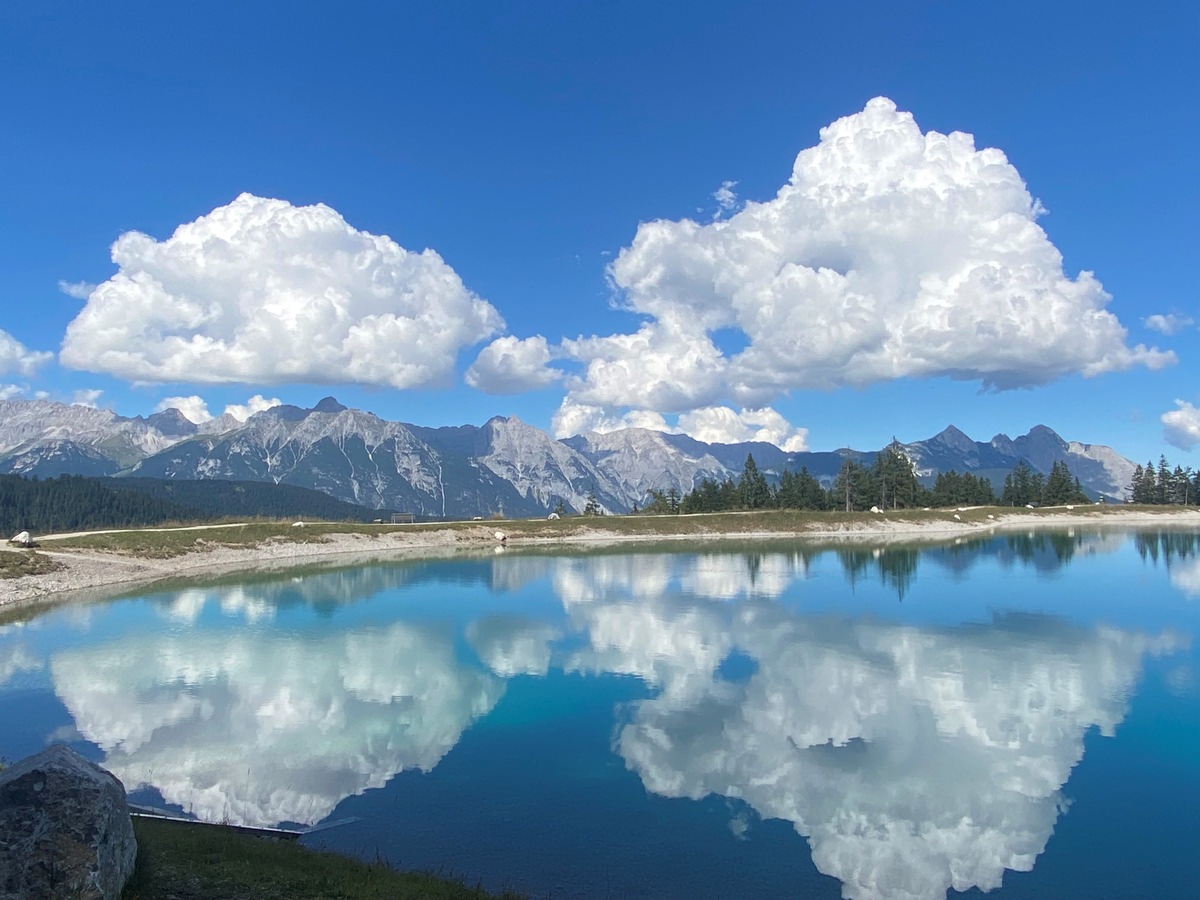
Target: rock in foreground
<point>65,830</point>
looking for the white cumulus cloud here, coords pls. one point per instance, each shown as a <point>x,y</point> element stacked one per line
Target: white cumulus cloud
<point>890,253</point>
<point>256,404</point>
<point>722,425</point>
<point>16,357</point>
<point>264,292</point>
<point>510,365</point>
<point>669,365</point>
<point>713,424</point>
<point>86,397</point>
<point>1171,323</point>
<point>1181,426</point>
<point>580,418</point>
<point>195,408</point>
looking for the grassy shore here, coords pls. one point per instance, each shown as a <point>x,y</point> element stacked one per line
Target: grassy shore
<point>188,862</point>
<point>19,563</point>
<point>165,543</point>
<point>169,543</point>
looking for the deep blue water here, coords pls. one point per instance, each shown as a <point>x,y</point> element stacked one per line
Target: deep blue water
<point>1020,714</point>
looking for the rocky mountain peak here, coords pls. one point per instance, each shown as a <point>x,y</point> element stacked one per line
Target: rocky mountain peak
<point>329,405</point>
<point>954,438</point>
<point>172,423</point>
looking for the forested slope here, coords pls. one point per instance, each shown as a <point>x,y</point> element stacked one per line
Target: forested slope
<point>73,502</point>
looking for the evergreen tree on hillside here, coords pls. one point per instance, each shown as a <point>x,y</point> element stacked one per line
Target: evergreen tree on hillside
<point>800,490</point>
<point>753,490</point>
<point>1062,487</point>
<point>1162,482</point>
<point>850,489</point>
<point>1144,488</point>
<point>953,489</point>
<point>893,480</point>
<point>1022,486</point>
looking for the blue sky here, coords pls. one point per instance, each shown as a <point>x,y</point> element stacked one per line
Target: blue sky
<point>565,161</point>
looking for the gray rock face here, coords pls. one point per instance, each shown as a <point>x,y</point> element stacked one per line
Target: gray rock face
<point>65,830</point>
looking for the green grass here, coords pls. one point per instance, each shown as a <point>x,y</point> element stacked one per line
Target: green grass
<point>188,862</point>
<point>19,563</point>
<point>166,544</point>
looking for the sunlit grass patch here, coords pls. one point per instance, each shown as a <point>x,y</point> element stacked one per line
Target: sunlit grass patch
<point>190,862</point>
<point>19,563</point>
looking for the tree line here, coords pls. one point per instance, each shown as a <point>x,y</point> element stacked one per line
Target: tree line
<point>890,482</point>
<point>1162,485</point>
<point>76,503</point>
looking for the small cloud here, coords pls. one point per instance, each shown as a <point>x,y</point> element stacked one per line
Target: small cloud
<point>1181,426</point>
<point>256,404</point>
<point>10,391</point>
<point>510,365</point>
<point>194,409</point>
<point>16,357</point>
<point>726,198</point>
<point>86,398</point>
<point>80,290</point>
<point>1171,323</point>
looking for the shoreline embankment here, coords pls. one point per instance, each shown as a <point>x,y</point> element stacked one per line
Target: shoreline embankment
<point>86,573</point>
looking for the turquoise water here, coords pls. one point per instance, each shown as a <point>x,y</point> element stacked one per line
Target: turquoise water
<point>1019,714</point>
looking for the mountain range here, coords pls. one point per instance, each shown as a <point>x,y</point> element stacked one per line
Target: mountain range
<point>504,466</point>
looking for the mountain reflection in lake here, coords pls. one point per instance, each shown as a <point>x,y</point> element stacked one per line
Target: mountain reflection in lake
<point>647,724</point>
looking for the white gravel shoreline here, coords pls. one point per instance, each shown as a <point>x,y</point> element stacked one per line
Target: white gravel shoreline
<point>93,574</point>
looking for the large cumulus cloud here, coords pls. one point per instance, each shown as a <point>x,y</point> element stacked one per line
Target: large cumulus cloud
<point>890,253</point>
<point>264,292</point>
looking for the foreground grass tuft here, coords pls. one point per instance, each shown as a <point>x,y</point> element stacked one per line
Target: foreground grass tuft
<point>187,862</point>
<point>19,563</point>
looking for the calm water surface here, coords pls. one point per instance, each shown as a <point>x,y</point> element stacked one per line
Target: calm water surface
<point>1019,714</point>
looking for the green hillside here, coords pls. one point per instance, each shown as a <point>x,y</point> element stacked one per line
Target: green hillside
<point>77,503</point>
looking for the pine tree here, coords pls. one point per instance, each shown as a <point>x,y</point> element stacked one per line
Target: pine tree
<point>1022,486</point>
<point>1059,488</point>
<point>1162,483</point>
<point>847,493</point>
<point>753,490</point>
<point>893,479</point>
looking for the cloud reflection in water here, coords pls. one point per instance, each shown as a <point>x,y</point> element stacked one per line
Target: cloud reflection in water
<point>262,730</point>
<point>913,758</point>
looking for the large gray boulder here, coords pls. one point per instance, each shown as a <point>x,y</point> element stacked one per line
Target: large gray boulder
<point>65,830</point>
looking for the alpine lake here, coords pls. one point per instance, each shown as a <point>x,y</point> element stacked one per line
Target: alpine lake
<point>1017,714</point>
